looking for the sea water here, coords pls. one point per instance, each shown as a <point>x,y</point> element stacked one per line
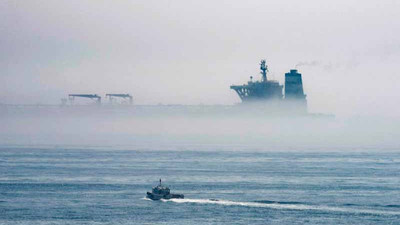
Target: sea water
<point>101,186</point>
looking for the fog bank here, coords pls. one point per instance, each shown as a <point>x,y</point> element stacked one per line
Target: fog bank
<point>126,129</point>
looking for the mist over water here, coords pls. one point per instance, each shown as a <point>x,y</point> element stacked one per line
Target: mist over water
<point>201,127</point>
<point>185,52</point>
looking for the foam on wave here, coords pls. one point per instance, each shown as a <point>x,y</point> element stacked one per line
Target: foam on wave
<point>277,205</point>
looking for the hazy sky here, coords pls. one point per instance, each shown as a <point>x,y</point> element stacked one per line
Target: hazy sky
<point>190,52</point>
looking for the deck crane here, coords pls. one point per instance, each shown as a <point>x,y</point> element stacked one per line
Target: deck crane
<point>97,98</point>
<point>124,96</point>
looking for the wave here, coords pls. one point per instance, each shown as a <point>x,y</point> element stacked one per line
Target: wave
<point>393,206</point>
<point>374,205</point>
<point>284,206</point>
<point>276,202</point>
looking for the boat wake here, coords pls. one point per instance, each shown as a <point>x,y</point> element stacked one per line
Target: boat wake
<point>284,206</point>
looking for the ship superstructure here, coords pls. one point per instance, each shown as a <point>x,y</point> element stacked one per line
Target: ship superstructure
<point>265,91</point>
<point>259,90</point>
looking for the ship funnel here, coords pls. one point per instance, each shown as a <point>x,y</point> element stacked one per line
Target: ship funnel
<point>294,85</point>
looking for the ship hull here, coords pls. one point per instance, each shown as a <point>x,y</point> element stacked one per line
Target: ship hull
<point>159,197</point>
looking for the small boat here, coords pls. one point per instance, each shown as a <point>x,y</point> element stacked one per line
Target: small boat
<point>162,192</point>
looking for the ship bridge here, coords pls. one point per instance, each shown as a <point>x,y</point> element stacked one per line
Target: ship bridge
<point>259,90</point>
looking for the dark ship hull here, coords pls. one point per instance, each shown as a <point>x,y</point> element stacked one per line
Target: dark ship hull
<point>167,196</point>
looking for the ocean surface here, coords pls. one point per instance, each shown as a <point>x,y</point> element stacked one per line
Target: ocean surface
<point>100,186</point>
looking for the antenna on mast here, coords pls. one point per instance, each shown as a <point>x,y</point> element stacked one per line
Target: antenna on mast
<point>264,70</point>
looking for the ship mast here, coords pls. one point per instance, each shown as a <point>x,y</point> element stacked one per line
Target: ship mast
<point>264,70</point>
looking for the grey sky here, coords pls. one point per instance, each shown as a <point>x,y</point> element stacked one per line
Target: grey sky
<point>189,52</point>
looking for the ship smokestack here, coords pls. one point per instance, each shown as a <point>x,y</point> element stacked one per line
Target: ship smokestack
<point>294,89</point>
